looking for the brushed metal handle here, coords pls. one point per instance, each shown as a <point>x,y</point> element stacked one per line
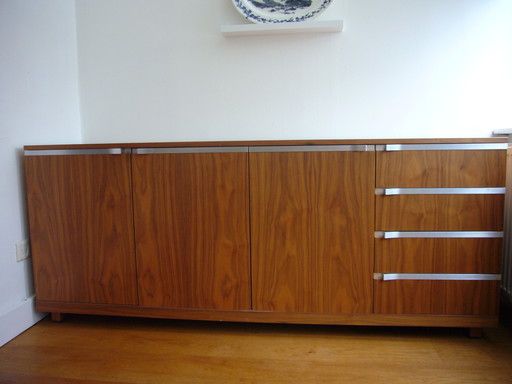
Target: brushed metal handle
<point>437,276</point>
<point>442,147</point>
<point>75,152</point>
<point>314,148</point>
<point>440,191</point>
<point>153,151</point>
<point>437,234</point>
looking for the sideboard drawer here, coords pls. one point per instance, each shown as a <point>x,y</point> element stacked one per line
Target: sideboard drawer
<point>439,212</point>
<point>438,255</point>
<point>436,297</point>
<point>441,168</point>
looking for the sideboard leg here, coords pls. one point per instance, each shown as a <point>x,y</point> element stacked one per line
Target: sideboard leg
<point>57,317</point>
<point>476,333</point>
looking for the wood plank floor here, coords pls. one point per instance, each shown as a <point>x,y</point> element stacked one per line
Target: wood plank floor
<point>101,350</point>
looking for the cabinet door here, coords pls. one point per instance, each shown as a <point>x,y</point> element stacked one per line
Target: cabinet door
<point>81,228</point>
<point>191,224</point>
<point>312,230</point>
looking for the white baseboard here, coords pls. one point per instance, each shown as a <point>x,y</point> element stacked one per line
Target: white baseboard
<point>18,320</point>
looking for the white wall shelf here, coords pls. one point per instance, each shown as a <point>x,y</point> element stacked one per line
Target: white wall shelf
<point>502,132</point>
<point>324,26</point>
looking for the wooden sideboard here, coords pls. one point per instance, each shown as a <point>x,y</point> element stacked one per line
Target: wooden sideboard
<point>359,232</point>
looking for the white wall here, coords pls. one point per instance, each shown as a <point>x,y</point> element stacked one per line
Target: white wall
<point>159,70</point>
<point>38,104</point>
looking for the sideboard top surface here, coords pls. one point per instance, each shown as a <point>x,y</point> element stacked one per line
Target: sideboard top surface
<point>268,143</point>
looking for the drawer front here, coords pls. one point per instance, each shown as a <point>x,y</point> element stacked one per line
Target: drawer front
<point>441,168</point>
<point>438,255</point>
<point>428,297</point>
<point>439,212</point>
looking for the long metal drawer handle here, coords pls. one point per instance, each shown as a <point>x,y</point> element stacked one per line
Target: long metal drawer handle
<point>314,148</point>
<point>437,234</point>
<point>152,151</point>
<point>75,152</point>
<point>440,191</point>
<point>437,276</point>
<point>442,147</point>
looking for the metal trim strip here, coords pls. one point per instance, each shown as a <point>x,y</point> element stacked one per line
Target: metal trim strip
<point>314,148</point>
<point>444,147</point>
<point>437,234</point>
<point>438,276</point>
<point>75,152</point>
<point>440,191</point>
<point>152,151</point>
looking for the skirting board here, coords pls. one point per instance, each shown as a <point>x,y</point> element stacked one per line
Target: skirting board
<point>18,320</point>
<point>271,317</point>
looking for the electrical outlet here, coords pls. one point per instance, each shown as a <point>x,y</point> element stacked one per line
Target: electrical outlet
<point>22,250</point>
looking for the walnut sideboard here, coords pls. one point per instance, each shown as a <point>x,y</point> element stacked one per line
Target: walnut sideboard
<point>354,232</point>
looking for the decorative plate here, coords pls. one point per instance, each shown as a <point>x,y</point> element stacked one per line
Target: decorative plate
<point>280,11</point>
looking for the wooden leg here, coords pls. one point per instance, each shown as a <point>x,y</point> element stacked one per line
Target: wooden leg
<point>57,317</point>
<point>475,333</point>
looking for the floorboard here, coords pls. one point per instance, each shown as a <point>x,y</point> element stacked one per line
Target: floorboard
<point>101,350</point>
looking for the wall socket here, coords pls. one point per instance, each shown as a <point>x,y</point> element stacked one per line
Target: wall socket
<point>22,250</point>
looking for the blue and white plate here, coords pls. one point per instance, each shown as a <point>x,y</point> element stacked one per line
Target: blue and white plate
<point>280,11</point>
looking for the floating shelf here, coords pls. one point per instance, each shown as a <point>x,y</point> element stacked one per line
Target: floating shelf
<point>503,131</point>
<point>282,28</point>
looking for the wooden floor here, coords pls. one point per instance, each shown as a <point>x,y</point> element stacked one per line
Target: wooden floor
<point>102,350</point>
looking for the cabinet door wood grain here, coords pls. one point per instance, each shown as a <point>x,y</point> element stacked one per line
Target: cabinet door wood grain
<point>192,236</point>
<point>81,228</point>
<point>441,169</point>
<point>312,231</point>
